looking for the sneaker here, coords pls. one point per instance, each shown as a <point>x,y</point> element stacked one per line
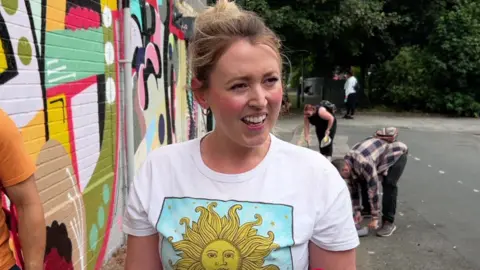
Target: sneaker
<point>386,230</point>
<point>362,231</point>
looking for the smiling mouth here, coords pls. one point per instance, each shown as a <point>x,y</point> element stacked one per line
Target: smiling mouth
<point>254,120</point>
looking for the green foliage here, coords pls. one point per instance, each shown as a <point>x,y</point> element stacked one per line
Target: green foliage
<point>423,55</point>
<point>441,74</point>
<point>462,104</point>
<point>408,82</point>
<point>457,39</point>
<point>336,32</point>
<point>405,80</point>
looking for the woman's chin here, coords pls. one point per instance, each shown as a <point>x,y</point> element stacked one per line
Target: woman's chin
<point>256,140</point>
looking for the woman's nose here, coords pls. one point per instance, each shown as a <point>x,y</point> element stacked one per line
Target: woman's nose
<point>258,97</point>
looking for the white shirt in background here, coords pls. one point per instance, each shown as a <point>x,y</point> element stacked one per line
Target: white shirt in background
<point>350,86</point>
<point>265,216</point>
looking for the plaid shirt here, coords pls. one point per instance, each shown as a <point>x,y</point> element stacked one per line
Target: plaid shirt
<point>370,160</point>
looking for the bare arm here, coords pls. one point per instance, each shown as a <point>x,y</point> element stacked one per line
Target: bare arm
<point>334,239</point>
<point>31,222</point>
<point>345,87</point>
<point>324,114</point>
<point>331,260</point>
<point>306,126</point>
<point>142,252</point>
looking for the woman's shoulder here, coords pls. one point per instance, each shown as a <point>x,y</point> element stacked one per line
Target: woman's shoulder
<point>299,155</point>
<point>305,159</point>
<point>172,151</point>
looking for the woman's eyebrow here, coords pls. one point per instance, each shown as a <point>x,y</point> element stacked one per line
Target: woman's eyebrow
<point>270,73</point>
<point>246,78</point>
<point>239,78</point>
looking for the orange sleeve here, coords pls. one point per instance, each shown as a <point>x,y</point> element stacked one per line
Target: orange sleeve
<point>15,163</point>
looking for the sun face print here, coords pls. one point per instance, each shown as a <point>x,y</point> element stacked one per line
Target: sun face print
<point>222,243</point>
<point>221,254</point>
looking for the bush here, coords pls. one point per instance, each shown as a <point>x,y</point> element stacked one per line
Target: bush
<point>405,81</point>
<point>413,80</point>
<point>462,104</point>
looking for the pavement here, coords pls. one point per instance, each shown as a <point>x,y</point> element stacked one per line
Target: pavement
<point>438,215</point>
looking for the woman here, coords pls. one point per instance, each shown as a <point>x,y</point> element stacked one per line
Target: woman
<point>232,199</point>
<point>323,118</point>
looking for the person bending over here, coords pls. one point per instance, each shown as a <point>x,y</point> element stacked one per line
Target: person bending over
<point>322,117</point>
<point>375,161</point>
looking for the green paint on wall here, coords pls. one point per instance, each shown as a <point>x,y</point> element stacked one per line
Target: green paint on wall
<point>106,193</point>
<point>25,51</point>
<point>93,237</point>
<point>100,189</point>
<point>73,55</point>
<point>36,9</point>
<point>10,6</point>
<point>101,217</point>
<point>94,192</point>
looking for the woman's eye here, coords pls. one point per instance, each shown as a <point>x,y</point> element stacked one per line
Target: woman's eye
<point>239,86</point>
<point>271,81</point>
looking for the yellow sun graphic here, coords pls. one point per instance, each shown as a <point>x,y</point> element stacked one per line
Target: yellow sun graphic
<point>221,243</point>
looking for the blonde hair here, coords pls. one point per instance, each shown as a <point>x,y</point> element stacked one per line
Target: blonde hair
<point>220,26</point>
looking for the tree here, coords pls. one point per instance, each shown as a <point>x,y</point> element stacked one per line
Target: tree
<point>456,43</point>
<point>441,72</point>
<point>337,32</point>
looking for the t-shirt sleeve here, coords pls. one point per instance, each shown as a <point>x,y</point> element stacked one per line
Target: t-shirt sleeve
<point>15,163</point>
<point>136,218</point>
<point>334,228</point>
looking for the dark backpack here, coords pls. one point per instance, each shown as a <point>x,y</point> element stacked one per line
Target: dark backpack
<point>357,87</point>
<point>328,105</point>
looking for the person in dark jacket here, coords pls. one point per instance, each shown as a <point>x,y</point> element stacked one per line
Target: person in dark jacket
<point>321,116</point>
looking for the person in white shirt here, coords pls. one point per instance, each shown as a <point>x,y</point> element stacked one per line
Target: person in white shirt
<point>350,88</point>
<point>238,197</point>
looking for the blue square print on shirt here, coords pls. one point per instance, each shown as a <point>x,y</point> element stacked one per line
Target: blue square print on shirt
<point>212,234</point>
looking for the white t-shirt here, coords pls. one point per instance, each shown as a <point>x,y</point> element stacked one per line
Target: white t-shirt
<point>265,216</point>
<point>350,85</point>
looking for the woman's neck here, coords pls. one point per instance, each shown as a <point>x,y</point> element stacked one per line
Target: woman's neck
<point>223,155</point>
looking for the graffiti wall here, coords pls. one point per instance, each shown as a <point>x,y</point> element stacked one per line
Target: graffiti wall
<point>60,82</point>
<point>165,112</point>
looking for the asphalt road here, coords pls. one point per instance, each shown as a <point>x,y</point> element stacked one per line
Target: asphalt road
<point>438,215</point>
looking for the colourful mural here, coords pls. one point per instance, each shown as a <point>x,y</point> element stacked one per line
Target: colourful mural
<point>165,111</point>
<point>60,82</point>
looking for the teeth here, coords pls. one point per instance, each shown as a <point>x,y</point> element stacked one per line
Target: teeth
<point>255,119</point>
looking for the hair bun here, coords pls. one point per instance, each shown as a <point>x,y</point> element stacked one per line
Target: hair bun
<point>217,28</point>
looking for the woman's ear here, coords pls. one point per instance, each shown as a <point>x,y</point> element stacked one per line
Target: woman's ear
<point>199,93</point>
<point>196,84</point>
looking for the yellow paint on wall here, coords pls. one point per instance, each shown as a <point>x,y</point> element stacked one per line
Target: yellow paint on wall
<point>112,4</point>
<point>56,12</point>
<point>156,142</point>
<point>3,58</point>
<point>181,91</point>
<point>34,135</point>
<point>58,121</point>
